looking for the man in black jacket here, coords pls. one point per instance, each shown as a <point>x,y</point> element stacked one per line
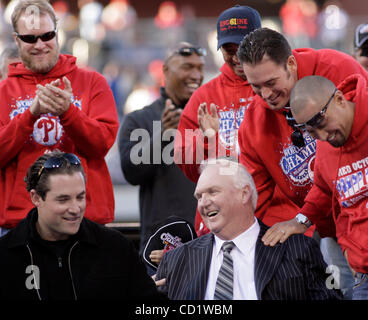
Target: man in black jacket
<point>146,143</point>
<point>57,254</point>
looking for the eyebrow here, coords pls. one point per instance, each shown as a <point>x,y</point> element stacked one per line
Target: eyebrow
<point>62,196</point>
<point>263,82</point>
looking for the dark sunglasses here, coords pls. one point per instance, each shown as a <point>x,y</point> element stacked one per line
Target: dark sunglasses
<point>57,162</point>
<point>188,51</point>
<point>30,38</point>
<point>297,137</point>
<point>317,119</point>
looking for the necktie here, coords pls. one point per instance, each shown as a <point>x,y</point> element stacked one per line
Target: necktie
<point>224,283</point>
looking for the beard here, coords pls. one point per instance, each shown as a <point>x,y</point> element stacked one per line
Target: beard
<point>43,66</point>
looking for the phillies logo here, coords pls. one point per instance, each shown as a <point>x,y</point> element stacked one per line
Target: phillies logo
<point>47,130</point>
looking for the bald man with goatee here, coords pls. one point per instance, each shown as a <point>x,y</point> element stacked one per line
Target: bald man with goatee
<point>337,117</point>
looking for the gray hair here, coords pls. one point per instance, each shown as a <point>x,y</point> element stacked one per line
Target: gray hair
<point>241,176</point>
<point>9,52</point>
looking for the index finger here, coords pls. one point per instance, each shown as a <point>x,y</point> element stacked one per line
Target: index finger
<point>161,282</point>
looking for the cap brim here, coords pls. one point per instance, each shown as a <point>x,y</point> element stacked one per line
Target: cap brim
<point>230,39</point>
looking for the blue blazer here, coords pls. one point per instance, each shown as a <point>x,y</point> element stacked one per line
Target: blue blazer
<point>294,270</point>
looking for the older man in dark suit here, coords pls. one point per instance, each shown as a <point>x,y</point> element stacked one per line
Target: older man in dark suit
<point>231,262</point>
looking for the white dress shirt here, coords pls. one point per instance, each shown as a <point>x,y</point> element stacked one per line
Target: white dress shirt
<point>243,264</point>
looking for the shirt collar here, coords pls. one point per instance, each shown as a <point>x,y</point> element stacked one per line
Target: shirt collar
<point>244,242</point>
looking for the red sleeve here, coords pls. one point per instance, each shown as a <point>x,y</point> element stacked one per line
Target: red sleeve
<point>14,133</point>
<point>318,205</point>
<point>248,157</point>
<point>191,147</point>
<point>94,131</point>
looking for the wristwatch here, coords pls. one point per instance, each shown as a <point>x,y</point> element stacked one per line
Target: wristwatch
<point>302,219</point>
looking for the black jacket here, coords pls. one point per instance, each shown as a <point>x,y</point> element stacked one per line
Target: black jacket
<point>164,189</point>
<point>97,263</point>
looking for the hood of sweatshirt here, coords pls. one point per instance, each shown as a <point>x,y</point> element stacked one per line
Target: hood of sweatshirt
<point>66,64</point>
<point>355,89</point>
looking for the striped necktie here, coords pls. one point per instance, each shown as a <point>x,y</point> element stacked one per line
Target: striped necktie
<point>224,283</point>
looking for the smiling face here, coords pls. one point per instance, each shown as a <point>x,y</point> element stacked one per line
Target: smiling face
<point>62,210</point>
<point>336,126</point>
<point>224,207</point>
<point>272,82</point>
<point>229,51</point>
<point>39,57</point>
<point>183,75</point>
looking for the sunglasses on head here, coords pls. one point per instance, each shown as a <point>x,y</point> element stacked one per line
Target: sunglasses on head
<point>57,162</point>
<point>30,38</point>
<point>317,119</point>
<point>187,51</point>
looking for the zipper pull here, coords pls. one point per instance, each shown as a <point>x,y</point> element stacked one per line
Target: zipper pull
<point>60,262</point>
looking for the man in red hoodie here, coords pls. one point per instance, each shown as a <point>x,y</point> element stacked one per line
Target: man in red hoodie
<point>216,109</point>
<point>48,103</point>
<point>337,117</point>
<point>278,155</point>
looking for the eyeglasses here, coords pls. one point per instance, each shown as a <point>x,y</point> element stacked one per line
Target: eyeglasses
<point>317,119</point>
<point>30,38</point>
<point>187,51</point>
<point>57,162</point>
<point>297,137</point>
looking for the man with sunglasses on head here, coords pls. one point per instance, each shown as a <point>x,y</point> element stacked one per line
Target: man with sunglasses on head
<point>164,190</point>
<point>48,102</point>
<point>337,118</point>
<point>278,154</point>
<point>210,121</point>
<point>55,253</point>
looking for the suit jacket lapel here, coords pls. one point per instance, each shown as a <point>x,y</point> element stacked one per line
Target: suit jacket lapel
<point>267,260</point>
<point>200,257</point>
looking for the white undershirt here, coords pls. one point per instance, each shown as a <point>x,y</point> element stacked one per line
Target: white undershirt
<point>243,261</point>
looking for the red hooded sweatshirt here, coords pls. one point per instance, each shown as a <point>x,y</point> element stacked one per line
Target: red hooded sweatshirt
<point>88,129</point>
<point>347,169</point>
<point>232,95</point>
<point>266,148</point>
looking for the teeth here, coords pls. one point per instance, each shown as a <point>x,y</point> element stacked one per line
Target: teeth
<point>212,213</point>
<point>71,219</point>
<point>331,137</point>
<point>193,85</point>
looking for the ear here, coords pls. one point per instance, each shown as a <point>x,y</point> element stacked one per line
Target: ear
<point>16,39</point>
<point>339,99</point>
<point>165,68</point>
<point>246,193</point>
<point>291,64</point>
<point>35,198</point>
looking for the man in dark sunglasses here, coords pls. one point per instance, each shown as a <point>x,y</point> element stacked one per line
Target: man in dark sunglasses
<point>55,253</point>
<point>164,190</point>
<point>49,102</point>
<point>337,117</point>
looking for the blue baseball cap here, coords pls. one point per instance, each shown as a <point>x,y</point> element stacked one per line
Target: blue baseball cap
<point>235,23</point>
